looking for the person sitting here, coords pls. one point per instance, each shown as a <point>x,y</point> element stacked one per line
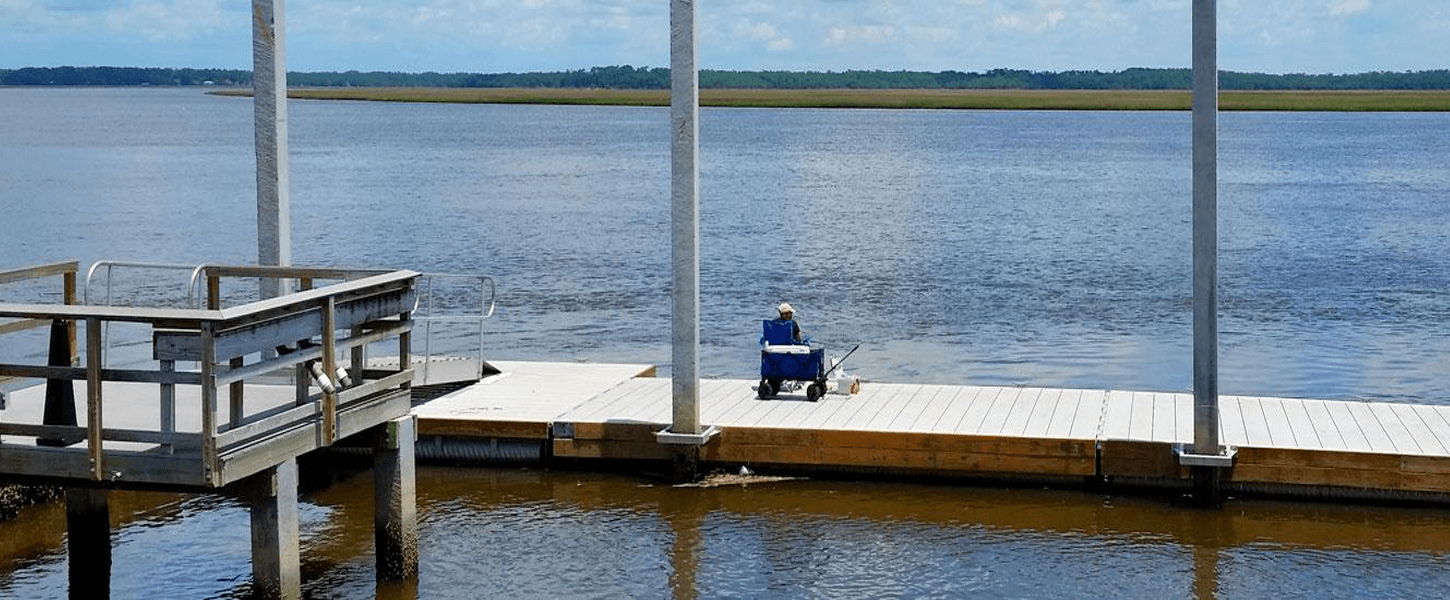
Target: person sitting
<point>786,319</point>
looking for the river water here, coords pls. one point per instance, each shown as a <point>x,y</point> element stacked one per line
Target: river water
<point>1042,248</point>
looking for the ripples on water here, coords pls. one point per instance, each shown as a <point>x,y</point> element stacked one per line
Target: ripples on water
<point>1039,248</point>
<point>488,533</point>
<point>957,246</point>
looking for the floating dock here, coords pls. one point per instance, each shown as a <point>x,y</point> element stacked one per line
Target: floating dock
<point>1293,446</point>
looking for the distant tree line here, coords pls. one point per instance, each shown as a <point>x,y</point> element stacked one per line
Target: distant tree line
<point>123,76</point>
<point>628,77</point>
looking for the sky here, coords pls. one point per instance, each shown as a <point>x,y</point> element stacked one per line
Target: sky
<point>491,36</point>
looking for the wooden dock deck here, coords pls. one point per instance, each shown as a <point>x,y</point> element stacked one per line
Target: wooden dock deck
<point>1317,446</point>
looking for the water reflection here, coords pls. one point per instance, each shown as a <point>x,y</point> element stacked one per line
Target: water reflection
<point>533,533</point>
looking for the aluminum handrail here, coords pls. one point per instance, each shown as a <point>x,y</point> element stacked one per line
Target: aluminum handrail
<point>485,310</point>
<point>110,266</point>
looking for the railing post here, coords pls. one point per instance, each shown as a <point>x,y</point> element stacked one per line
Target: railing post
<point>69,284</point>
<point>168,399</point>
<point>405,346</point>
<point>213,292</point>
<point>93,398</point>
<point>329,370</point>
<point>235,393</point>
<point>208,401</point>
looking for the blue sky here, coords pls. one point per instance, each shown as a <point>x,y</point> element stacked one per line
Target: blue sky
<point>1275,36</point>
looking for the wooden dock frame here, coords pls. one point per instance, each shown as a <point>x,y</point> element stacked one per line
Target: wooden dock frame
<point>211,430</point>
<point>1099,439</point>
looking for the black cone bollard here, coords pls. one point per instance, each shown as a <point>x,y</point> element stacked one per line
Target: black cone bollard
<point>60,394</point>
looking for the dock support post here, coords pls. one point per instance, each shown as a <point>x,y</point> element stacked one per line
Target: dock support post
<point>269,101</point>
<point>276,558</point>
<point>1207,484</point>
<point>88,531</point>
<point>685,238</point>
<point>684,217</point>
<point>395,508</point>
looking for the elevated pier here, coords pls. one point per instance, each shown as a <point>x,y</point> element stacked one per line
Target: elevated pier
<point>229,399</point>
<point>1299,447</point>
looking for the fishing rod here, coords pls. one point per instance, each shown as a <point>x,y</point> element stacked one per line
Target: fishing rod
<point>839,362</point>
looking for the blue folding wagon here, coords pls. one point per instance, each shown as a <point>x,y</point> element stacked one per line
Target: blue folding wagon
<point>786,362</point>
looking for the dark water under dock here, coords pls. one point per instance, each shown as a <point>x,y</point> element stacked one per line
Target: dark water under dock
<point>529,533</point>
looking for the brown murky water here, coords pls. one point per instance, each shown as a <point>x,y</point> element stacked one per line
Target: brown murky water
<point>492,533</point>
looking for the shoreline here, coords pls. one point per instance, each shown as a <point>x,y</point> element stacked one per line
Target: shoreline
<point>1157,100</point>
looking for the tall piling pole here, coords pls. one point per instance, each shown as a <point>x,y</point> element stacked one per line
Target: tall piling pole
<point>269,99</point>
<point>684,433</point>
<point>1205,246</point>
<point>685,217</point>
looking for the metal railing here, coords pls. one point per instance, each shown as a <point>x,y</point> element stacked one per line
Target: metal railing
<point>428,313</point>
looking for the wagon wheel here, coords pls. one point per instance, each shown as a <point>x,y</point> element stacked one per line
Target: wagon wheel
<point>765,390</point>
<point>814,392</point>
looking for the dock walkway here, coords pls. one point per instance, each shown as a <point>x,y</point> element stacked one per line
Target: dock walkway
<point>1346,448</point>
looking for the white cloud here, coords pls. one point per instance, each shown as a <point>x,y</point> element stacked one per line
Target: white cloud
<point>154,20</point>
<point>1348,7</point>
<point>774,39</point>
<point>514,35</point>
<point>840,35</point>
<point>1046,15</point>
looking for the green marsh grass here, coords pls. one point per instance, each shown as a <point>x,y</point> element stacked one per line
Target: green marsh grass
<point>1391,101</point>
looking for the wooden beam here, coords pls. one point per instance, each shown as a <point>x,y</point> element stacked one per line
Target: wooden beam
<point>329,370</point>
<point>39,271</point>
<point>93,398</point>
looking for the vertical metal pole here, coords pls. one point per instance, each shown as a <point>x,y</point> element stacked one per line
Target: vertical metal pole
<point>685,217</point>
<point>1205,227</point>
<point>269,97</point>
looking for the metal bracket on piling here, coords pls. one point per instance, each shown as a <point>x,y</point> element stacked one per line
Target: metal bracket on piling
<point>665,436</point>
<point>389,436</point>
<point>1221,461</point>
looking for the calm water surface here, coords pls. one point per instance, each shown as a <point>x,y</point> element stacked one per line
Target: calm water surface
<point>1043,248</point>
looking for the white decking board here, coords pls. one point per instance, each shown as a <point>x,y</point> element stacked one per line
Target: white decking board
<point>616,395</point>
<point>532,391</point>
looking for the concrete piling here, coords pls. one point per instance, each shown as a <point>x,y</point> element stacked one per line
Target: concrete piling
<point>685,217</point>
<point>276,557</point>
<point>395,508</point>
<point>1205,249</point>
